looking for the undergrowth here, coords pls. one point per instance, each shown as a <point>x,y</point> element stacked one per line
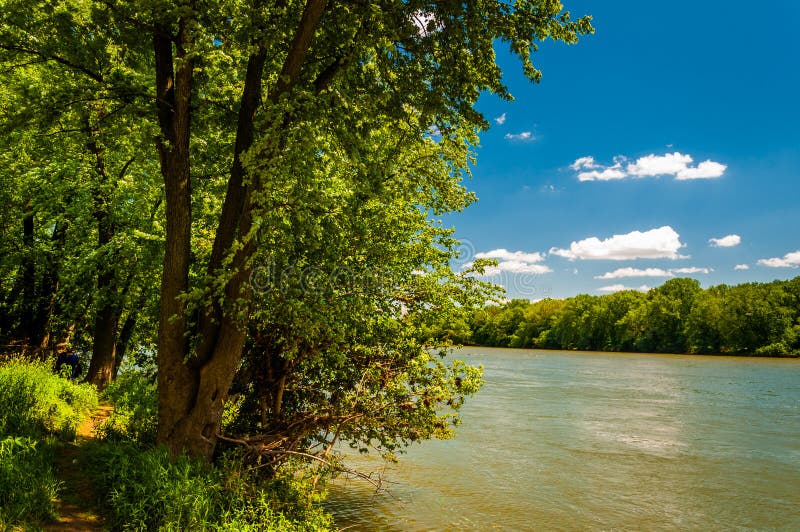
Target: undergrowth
<point>35,402</point>
<point>142,489</point>
<point>37,409</point>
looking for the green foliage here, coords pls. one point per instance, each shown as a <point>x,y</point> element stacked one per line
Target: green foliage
<point>362,131</point>
<point>35,402</point>
<point>144,490</point>
<point>134,396</point>
<point>761,319</point>
<point>28,486</point>
<point>35,405</point>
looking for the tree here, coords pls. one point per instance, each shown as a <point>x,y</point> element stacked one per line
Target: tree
<point>238,90</point>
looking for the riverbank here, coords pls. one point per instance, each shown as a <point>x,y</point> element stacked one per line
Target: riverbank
<point>554,350</point>
<point>67,464</point>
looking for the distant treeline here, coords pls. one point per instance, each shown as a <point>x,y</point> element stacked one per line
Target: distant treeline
<point>678,317</point>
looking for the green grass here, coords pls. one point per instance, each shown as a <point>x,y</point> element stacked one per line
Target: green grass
<point>135,415</point>
<point>138,486</point>
<point>35,402</point>
<point>37,409</point>
<point>142,489</point>
<point>28,485</point>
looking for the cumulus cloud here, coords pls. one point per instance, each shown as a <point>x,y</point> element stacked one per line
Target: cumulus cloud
<point>620,287</point>
<point>512,262</point>
<point>674,164</point>
<point>607,174</point>
<point>705,170</point>
<point>790,260</point>
<point>622,273</point>
<point>741,267</point>
<point>653,165</point>
<point>584,163</point>
<point>504,254</point>
<point>525,136</point>
<point>500,120</point>
<point>514,266</point>
<point>693,269</point>
<point>725,241</point>
<point>660,243</point>
<point>589,170</point>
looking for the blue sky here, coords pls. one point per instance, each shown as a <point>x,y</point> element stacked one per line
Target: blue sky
<point>692,108</point>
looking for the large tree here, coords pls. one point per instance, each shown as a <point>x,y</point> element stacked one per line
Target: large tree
<point>247,95</point>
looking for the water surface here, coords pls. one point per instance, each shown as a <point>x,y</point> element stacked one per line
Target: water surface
<point>564,440</point>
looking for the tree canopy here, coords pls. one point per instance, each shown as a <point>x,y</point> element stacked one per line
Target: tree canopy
<point>250,190</point>
<point>677,317</point>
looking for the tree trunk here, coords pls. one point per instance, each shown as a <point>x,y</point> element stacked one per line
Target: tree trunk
<point>124,337</point>
<point>177,384</point>
<point>192,393</point>
<point>51,283</point>
<point>106,321</point>
<point>104,349</point>
<point>28,278</point>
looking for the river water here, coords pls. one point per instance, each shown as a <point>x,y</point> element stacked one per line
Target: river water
<point>568,440</point>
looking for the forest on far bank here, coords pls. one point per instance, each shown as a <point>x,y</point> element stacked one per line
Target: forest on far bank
<point>761,319</point>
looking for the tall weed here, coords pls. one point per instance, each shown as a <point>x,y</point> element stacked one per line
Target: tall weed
<point>36,407</point>
<point>27,483</point>
<point>135,416</point>
<point>144,490</point>
<point>35,402</point>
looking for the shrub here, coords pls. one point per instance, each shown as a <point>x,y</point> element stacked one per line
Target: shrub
<point>35,402</point>
<point>135,416</point>
<point>27,482</point>
<point>144,490</point>
<point>778,349</point>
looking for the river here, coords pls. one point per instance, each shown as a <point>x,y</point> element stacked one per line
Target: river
<point>571,440</point>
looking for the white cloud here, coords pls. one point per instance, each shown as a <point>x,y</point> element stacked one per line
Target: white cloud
<point>653,165</point>
<point>661,243</point>
<point>584,163</point>
<point>725,241</point>
<point>706,170</point>
<point>621,273</point>
<point>525,136</point>
<point>587,169</point>
<point>673,164</point>
<point>515,266</point>
<point>607,174</point>
<point>790,260</point>
<point>512,262</point>
<point>741,267</point>
<point>620,287</point>
<point>504,254</point>
<point>690,270</point>
<point>500,120</point>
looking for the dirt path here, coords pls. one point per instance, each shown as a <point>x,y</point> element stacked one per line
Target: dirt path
<point>75,506</point>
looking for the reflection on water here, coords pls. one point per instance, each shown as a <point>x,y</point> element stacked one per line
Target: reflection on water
<point>564,441</point>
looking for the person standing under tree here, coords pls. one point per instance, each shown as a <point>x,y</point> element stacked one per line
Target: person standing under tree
<point>67,357</point>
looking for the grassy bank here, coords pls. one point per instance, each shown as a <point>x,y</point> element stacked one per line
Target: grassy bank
<point>135,486</point>
<point>38,411</point>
